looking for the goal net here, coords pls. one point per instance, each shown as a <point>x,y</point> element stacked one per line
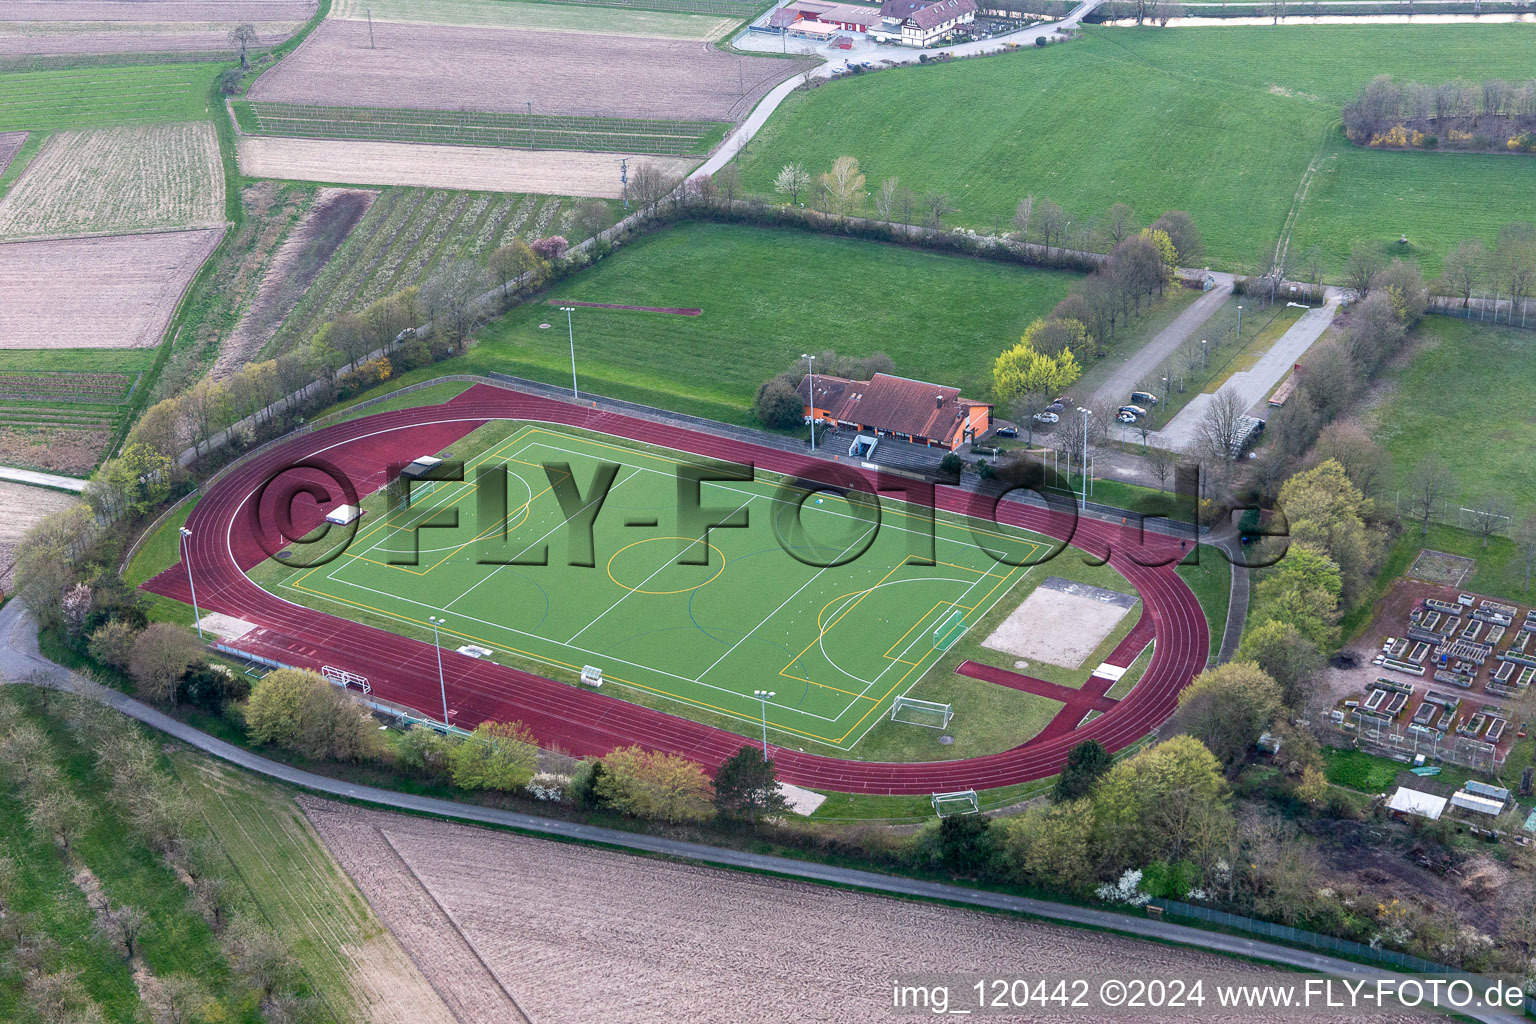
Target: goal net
<point>961,802</point>
<point>949,630</point>
<point>921,712</point>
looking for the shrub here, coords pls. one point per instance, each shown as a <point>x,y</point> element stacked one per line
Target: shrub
<point>211,687</point>
<point>160,656</point>
<point>966,842</point>
<point>499,755</point>
<point>112,644</point>
<point>651,784</point>
<point>551,248</point>
<point>302,713</point>
<point>951,464</point>
<point>779,405</point>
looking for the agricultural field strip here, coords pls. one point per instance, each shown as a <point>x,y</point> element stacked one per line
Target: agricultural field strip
<point>306,904</point>
<point>468,128</point>
<point>125,96</point>
<point>457,494</point>
<point>66,386</point>
<point>118,181</point>
<point>560,17</point>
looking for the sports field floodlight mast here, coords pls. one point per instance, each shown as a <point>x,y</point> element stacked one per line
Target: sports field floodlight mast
<point>197,618</point>
<point>441,686</point>
<point>1202,355</point>
<point>1086,413</point>
<point>570,325</point>
<point>1239,323</point>
<point>810,362</point>
<point>763,697</point>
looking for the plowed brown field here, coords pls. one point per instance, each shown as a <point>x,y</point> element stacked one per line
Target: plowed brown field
<point>435,67</point>
<point>549,172</point>
<point>114,292</point>
<point>576,934</point>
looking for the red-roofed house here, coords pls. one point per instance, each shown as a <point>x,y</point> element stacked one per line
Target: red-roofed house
<point>897,407</point>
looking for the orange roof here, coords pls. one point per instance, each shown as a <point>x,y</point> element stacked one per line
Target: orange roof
<point>885,402</point>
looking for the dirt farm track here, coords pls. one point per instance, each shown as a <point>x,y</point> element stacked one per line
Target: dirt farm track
<point>436,67</point>
<point>232,532</point>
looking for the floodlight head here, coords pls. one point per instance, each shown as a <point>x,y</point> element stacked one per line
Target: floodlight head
<point>567,309</point>
<point>186,532</point>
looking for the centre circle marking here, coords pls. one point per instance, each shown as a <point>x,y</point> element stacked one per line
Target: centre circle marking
<point>684,590</point>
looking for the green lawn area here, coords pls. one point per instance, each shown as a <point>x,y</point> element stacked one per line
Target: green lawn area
<point>101,96</point>
<point>1468,395</point>
<point>767,296</point>
<point>1211,580</point>
<point>1221,122</point>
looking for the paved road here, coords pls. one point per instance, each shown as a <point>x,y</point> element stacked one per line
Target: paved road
<point>1254,385</point>
<point>36,479</point>
<point>20,660</point>
<point>1143,363</point>
<point>764,43</point>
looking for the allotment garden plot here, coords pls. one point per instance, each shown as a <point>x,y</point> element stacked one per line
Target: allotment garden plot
<point>766,609</point>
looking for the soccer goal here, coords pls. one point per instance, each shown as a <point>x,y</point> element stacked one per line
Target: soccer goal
<point>950,630</point>
<point>928,713</point>
<point>961,802</point>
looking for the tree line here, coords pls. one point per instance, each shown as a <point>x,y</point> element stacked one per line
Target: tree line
<point>1458,113</point>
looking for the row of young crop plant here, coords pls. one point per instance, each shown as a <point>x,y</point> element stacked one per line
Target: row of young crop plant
<point>407,235</point>
<point>657,136</point>
<point>66,386</point>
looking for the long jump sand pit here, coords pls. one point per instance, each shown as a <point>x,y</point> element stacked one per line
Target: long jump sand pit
<point>549,172</point>
<point>1061,622</point>
<point>108,292</point>
<point>440,67</point>
<point>513,928</point>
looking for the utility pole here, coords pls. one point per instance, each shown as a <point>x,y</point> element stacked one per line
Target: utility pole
<point>1086,413</point>
<point>529,104</point>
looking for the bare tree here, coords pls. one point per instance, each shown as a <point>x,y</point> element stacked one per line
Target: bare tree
<point>1525,538</point>
<point>180,999</point>
<point>1161,463</point>
<point>591,215</point>
<point>885,198</point>
<point>1026,407</point>
<point>1462,268</point>
<point>1051,222</point>
<point>1119,223</point>
<point>121,925</point>
<point>1364,263</point>
<point>938,206</point>
<point>1221,427</point>
<point>452,297</point>
<point>244,36</point>
<point>649,185</point>
<point>59,814</point>
<point>514,260</point>
<point>1023,216</point>
<point>1491,513</point>
<point>1426,487</point>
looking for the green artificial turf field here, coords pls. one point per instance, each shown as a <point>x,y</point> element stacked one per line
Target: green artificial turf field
<point>1222,122</point>
<point>769,611</point>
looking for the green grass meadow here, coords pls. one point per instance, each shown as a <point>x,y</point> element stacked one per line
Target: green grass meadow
<point>45,101</point>
<point>767,296</point>
<point>1222,122</point>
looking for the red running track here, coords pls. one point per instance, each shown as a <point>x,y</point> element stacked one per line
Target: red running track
<point>230,532</point>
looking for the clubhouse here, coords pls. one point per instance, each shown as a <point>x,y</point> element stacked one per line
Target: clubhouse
<point>896,407</point>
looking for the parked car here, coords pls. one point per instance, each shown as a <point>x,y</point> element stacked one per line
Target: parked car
<point>1063,400</point>
<point>1135,410</point>
<point>1007,431</point>
<point>1046,417</point>
<point>1126,417</point>
<point>1055,407</point>
<point>1144,397</point>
